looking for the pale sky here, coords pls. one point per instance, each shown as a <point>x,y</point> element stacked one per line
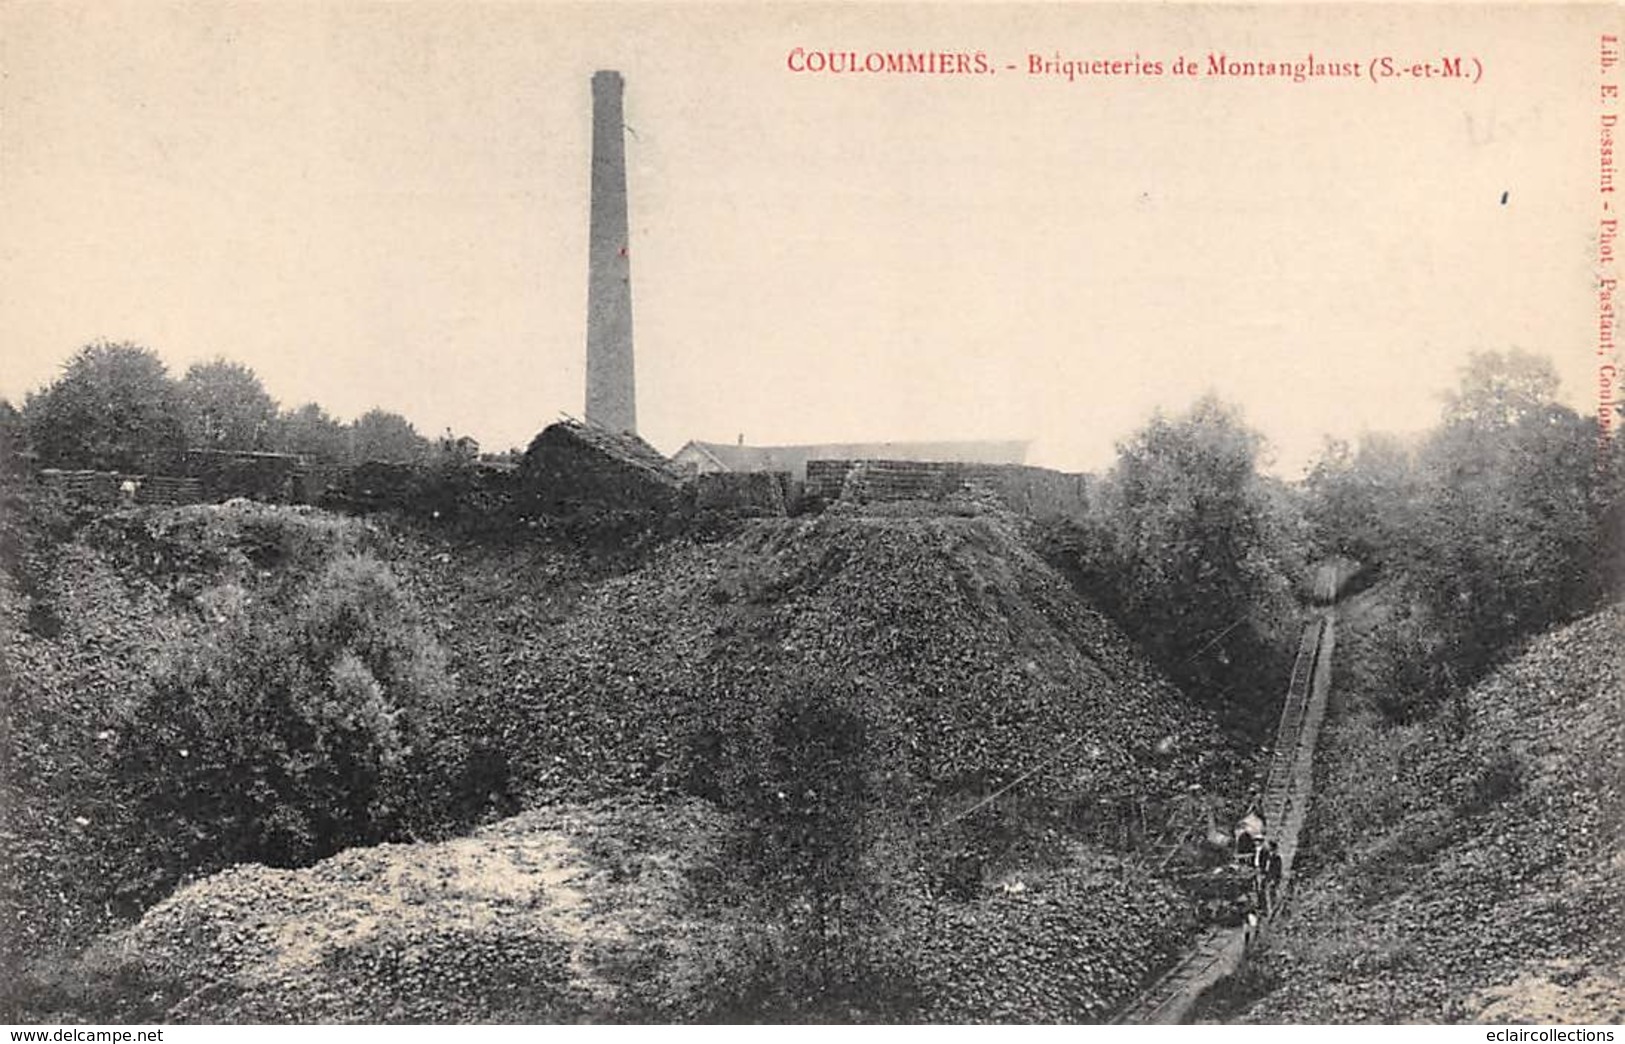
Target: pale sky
<point>385,204</point>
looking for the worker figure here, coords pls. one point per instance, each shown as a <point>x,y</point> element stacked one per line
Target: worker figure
<point>1257,862</point>
<point>1249,833</point>
<point>1274,867</point>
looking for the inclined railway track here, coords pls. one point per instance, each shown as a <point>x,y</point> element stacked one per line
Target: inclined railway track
<point>1220,951</point>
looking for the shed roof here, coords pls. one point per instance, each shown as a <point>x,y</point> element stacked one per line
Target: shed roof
<point>794,458</point>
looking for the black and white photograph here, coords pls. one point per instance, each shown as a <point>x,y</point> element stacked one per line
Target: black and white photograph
<point>817,514</point>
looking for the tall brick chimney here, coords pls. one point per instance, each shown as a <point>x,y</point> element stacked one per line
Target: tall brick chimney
<point>611,394</point>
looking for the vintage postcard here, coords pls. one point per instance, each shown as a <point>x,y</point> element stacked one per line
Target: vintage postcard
<point>909,513</point>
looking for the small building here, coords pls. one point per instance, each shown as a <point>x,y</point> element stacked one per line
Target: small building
<point>700,458</point>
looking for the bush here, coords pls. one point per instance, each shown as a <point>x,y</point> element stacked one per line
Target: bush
<point>1406,673</point>
<point>823,807</point>
<point>298,730</point>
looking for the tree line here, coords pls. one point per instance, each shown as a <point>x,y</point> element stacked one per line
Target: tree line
<point>116,407</point>
<point>1502,521</point>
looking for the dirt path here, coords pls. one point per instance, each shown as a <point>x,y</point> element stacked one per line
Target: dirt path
<point>1219,952</point>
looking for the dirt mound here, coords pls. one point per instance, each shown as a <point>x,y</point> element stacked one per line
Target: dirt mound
<point>557,915</point>
<point>974,663</point>
<point>1476,873</point>
<point>601,913</point>
<point>981,656</point>
<point>974,666</point>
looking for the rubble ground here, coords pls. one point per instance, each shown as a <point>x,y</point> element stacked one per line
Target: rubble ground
<point>588,685</point>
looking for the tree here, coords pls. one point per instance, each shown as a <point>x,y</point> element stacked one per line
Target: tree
<point>1502,531</point>
<point>296,722</point>
<point>115,406</point>
<point>1356,500</point>
<point>383,436</point>
<point>1506,528</point>
<point>310,432</point>
<point>1499,389</point>
<point>1197,554</point>
<point>453,452</point>
<point>226,407</point>
<point>1496,526</point>
<point>13,439</point>
<point>826,850</point>
<point>449,477</point>
<point>1608,508</point>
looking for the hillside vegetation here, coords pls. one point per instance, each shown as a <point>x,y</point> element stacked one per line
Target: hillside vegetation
<point>894,761</point>
<point>889,767</point>
<point>188,688</point>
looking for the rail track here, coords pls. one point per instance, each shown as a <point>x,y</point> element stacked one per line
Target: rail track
<point>1220,951</point>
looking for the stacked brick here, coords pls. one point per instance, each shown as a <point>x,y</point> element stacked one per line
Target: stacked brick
<point>168,490</point>
<point>1038,492</point>
<point>749,494</point>
<point>105,488</point>
<point>92,487</point>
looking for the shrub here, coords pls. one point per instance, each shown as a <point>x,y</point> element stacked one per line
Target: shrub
<point>1406,673</point>
<point>826,863</point>
<point>296,730</point>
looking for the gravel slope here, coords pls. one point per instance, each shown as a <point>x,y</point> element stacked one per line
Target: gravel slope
<point>1494,889</point>
<point>952,626</point>
<point>557,915</point>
